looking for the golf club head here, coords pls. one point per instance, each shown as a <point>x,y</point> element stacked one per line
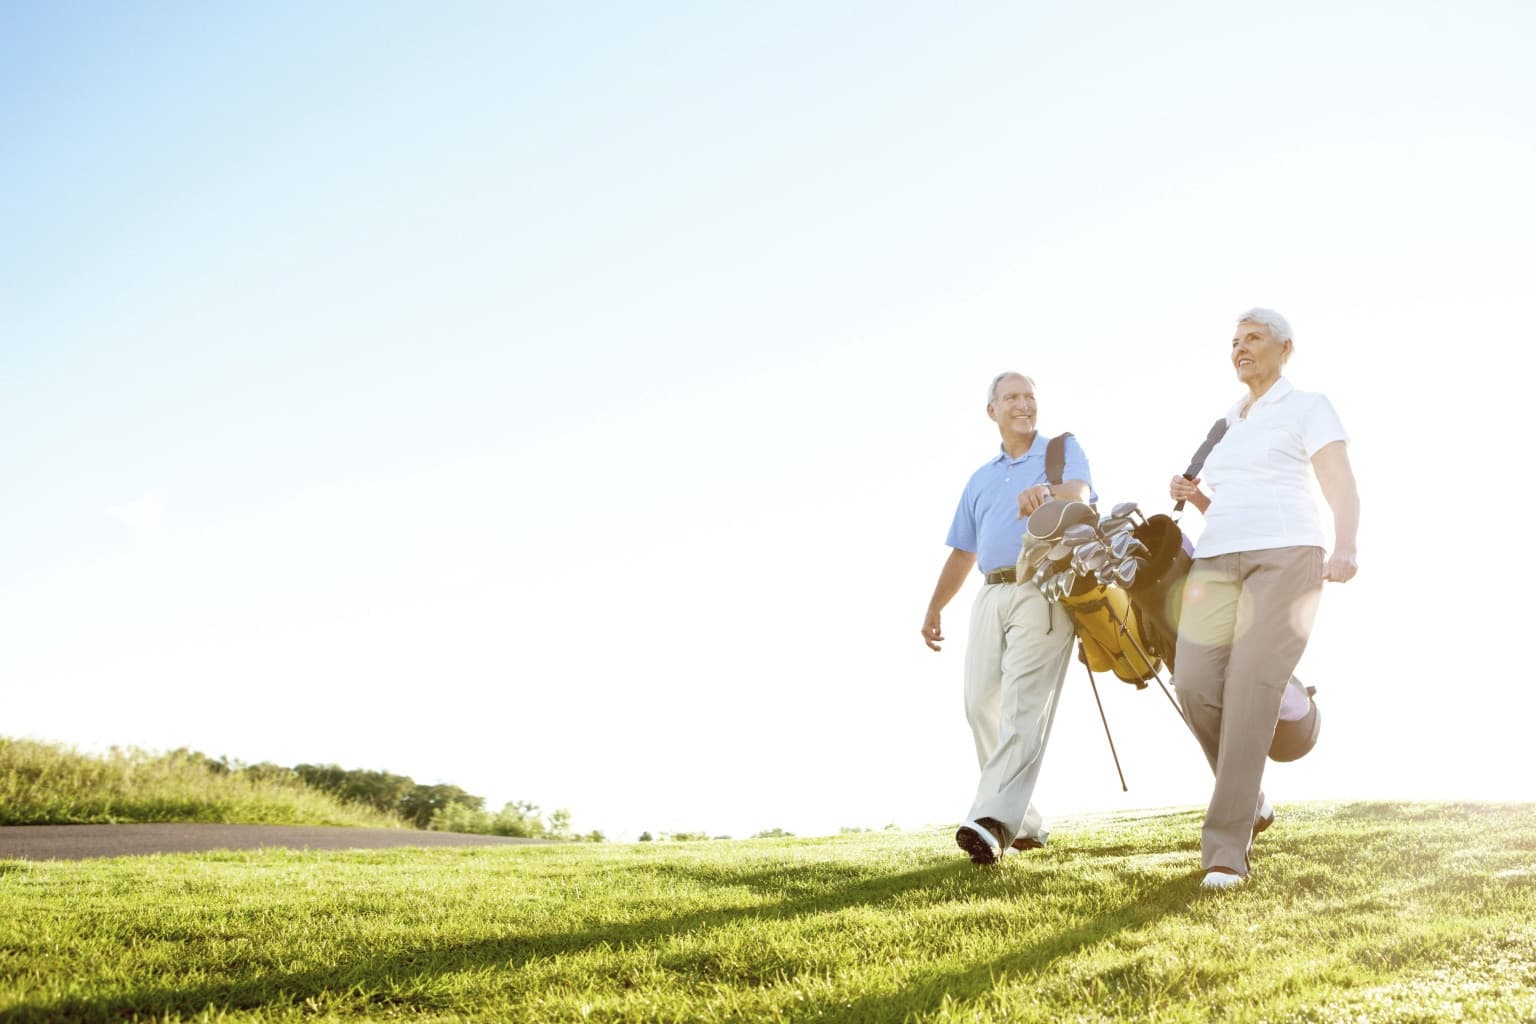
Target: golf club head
<point>1083,556</point>
<point>1125,572</point>
<point>1055,516</point>
<point>1081,533</point>
<point>1124,545</point>
<point>1096,559</point>
<point>1117,526</point>
<point>1120,545</point>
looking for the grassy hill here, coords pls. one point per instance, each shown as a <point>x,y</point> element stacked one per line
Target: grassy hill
<point>1355,913</point>
<point>43,784</point>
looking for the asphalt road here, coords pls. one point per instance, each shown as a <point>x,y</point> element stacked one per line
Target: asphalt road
<point>78,842</point>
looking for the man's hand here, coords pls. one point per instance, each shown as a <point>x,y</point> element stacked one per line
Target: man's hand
<point>956,568</point>
<point>933,635</point>
<point>1033,498</point>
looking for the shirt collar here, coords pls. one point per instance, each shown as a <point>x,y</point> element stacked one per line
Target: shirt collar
<point>1037,447</point>
<point>1277,391</point>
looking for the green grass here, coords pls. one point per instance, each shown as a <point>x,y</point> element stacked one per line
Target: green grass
<point>46,784</point>
<point>1355,913</point>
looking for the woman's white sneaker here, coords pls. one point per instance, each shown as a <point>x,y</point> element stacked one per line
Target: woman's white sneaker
<point>1264,818</point>
<point>1220,878</point>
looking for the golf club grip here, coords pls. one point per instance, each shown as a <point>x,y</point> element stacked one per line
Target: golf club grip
<point>1178,506</point>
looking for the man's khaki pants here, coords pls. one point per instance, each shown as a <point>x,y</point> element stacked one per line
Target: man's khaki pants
<point>1015,660</point>
<point>1243,628</point>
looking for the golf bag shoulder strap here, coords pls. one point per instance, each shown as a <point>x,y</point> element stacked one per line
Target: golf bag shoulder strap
<point>1056,457</point>
<point>1217,432</point>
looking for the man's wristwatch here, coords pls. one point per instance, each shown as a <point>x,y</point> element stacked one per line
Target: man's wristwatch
<point>1049,493</point>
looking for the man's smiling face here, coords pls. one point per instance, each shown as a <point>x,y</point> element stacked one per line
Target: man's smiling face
<point>1013,407</point>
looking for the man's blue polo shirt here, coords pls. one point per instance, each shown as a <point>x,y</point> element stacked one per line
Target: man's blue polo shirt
<point>987,521</point>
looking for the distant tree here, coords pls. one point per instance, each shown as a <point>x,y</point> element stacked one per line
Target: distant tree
<point>182,755</point>
<point>382,790</point>
<point>459,818</point>
<point>440,807</point>
<point>520,818</point>
<point>559,827</point>
<point>684,837</point>
<point>645,837</point>
<point>266,771</point>
<point>514,819</point>
<point>421,803</point>
<point>772,833</point>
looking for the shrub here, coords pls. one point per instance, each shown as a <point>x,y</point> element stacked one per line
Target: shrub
<point>42,783</point>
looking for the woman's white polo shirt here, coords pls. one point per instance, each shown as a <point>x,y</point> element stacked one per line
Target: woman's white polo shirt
<point>1259,474</point>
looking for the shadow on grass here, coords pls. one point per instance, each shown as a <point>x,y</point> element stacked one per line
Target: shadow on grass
<point>395,979</point>
<point>1147,905</point>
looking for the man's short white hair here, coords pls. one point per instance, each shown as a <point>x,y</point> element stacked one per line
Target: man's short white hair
<point>992,390</point>
<point>1269,318</point>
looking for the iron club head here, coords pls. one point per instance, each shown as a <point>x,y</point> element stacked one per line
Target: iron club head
<point>1081,533</point>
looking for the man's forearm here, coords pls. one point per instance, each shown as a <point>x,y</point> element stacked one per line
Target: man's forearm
<point>951,578</point>
<point>1072,490</point>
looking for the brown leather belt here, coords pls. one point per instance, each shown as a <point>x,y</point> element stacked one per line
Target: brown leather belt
<point>1007,574</point>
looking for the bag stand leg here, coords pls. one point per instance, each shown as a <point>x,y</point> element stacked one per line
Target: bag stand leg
<point>1094,683</point>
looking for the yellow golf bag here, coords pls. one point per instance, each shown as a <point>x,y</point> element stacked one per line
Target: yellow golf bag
<point>1109,634</point>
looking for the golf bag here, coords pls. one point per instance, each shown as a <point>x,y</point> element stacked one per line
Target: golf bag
<point>1103,645</point>
<point>1158,589</point>
<point>1110,637</point>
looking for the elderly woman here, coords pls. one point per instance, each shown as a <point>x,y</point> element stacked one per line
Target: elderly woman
<point>1258,572</point>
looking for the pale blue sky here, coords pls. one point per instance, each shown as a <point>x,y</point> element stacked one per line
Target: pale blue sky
<point>569,401</point>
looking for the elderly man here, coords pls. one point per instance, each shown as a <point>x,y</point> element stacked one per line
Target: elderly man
<point>1020,644</point>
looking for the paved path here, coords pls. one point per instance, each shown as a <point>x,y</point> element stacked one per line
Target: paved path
<point>77,842</point>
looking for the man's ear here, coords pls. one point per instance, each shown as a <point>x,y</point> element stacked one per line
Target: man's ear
<point>991,414</point>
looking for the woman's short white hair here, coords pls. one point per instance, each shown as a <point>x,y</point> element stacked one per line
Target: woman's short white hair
<point>992,390</point>
<point>1269,318</point>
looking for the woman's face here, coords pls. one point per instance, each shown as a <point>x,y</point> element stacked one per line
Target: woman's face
<point>1256,355</point>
